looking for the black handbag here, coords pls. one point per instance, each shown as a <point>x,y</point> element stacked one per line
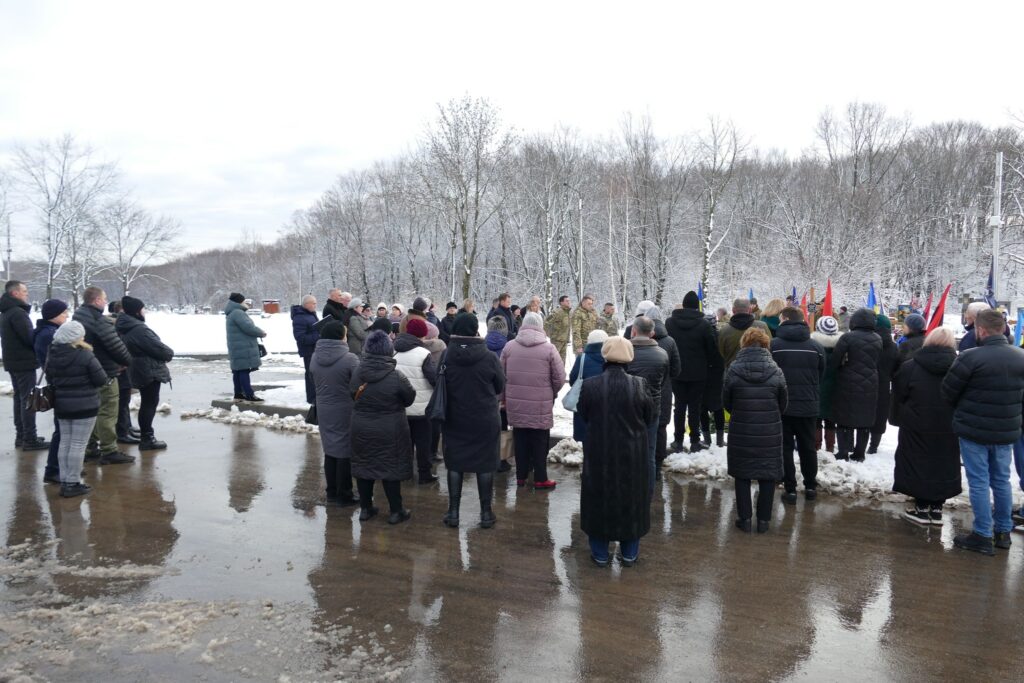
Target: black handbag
<point>263,349</point>
<point>311,417</point>
<point>41,399</point>
<point>437,407</point>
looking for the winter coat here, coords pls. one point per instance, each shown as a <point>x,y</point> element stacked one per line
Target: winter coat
<point>970,339</point>
<point>614,488</point>
<point>108,348</point>
<point>495,342</point>
<point>773,322</point>
<point>730,335</point>
<point>358,330</point>
<point>855,361</point>
<point>928,452</point>
<point>828,343</point>
<point>557,326</point>
<point>444,330</point>
<point>474,380</point>
<point>43,338</point>
<point>652,363</point>
<point>755,396</point>
<point>436,348</point>
<point>802,361</point>
<point>150,356</point>
<point>337,310</point>
<point>888,364</point>
<point>592,367</point>
<point>332,367</point>
<point>413,361</point>
<point>534,374</point>
<point>668,345</point>
<point>243,349</point>
<point>16,335</point>
<point>909,346</point>
<point>510,321</point>
<point>381,446</point>
<point>984,386</point>
<point>583,322</point>
<point>76,376</point>
<point>304,330</point>
<point>716,376</point>
<point>695,339</point>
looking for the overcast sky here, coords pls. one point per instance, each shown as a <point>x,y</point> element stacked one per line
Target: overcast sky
<point>230,115</point>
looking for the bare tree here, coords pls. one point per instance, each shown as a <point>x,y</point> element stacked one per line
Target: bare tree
<point>134,238</point>
<point>719,149</point>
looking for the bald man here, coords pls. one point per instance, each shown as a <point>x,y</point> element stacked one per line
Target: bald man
<point>306,334</point>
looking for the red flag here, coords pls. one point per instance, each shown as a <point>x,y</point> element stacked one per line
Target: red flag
<point>928,308</point>
<point>803,305</point>
<point>940,311</point>
<point>826,306</point>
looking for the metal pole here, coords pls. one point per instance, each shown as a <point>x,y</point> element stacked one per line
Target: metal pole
<point>997,226</point>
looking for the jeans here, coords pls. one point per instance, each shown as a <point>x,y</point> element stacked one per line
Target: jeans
<point>1018,460</point>
<point>149,396</point>
<point>531,451</point>
<point>652,447</point>
<point>688,396</point>
<point>799,430</point>
<point>629,549</point>
<point>988,467</point>
<point>104,433</point>
<point>24,419</point>
<point>765,497</point>
<point>74,438</point>
<point>243,387</point>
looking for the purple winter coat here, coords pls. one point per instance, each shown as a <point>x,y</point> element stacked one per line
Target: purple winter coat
<point>534,373</point>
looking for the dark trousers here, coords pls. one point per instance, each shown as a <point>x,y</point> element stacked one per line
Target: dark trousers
<point>338,473</point>
<point>149,399</point>
<point>661,452</point>
<point>310,387</point>
<point>435,438</point>
<point>705,420</point>
<point>798,432</point>
<point>765,497</point>
<point>421,433</point>
<point>52,465</point>
<point>688,396</point>
<point>392,490</point>
<point>124,402</point>
<point>531,449</point>
<point>845,436</point>
<point>24,419</point>
<point>243,387</point>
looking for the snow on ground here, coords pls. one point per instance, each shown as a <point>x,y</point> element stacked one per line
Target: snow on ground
<point>164,408</point>
<point>249,418</point>
<point>6,388</point>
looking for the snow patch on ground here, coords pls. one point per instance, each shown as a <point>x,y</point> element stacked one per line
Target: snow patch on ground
<point>6,389</point>
<point>164,408</point>
<point>567,452</point>
<point>249,418</point>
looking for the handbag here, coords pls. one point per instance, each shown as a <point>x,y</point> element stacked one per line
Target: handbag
<point>311,416</point>
<point>262,348</point>
<point>437,407</point>
<point>507,451</point>
<point>41,399</point>
<point>572,398</point>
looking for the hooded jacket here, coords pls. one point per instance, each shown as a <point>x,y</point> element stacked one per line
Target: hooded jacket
<point>668,345</point>
<point>910,345</point>
<point>496,342</point>
<point>474,380</point>
<point>802,361</point>
<point>534,374</point>
<point>984,386</point>
<point>332,367</point>
<point>730,335</point>
<point>76,376</point>
<point>592,363</point>
<point>358,329</point>
<point>150,356</point>
<point>755,395</point>
<point>652,363</point>
<point>108,348</point>
<point>695,340</point>
<point>304,330</point>
<point>855,362</point>
<point>16,335</point>
<point>381,447</point>
<point>43,338</point>
<point>414,362</point>
<point>242,333</point>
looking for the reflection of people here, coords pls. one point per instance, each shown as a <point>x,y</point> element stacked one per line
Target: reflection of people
<point>245,480</point>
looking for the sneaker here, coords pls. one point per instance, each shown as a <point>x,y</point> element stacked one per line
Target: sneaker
<point>917,515</point>
<point>975,543</point>
<point>35,444</point>
<point>116,458</point>
<point>789,497</point>
<point>743,525</point>
<point>399,517</point>
<point>51,479</point>
<point>1002,540</point>
<point>599,563</point>
<point>810,494</point>
<point>367,513</point>
<point>935,516</point>
<point>504,466</point>
<point>72,490</point>
<point>238,397</point>
<point>544,485</point>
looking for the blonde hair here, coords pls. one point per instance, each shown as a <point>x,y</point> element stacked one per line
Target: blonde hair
<point>773,308</point>
<point>941,336</point>
<point>755,336</point>
<point>82,344</point>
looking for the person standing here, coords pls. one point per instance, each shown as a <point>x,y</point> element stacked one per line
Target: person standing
<point>592,364</point>
<point>668,345</point>
<point>729,335</point>
<point>534,374</point>
<point>126,433</point>
<point>639,312</point>
<point>243,347</point>
<point>827,335</point>
<point>712,406</point>
<point>843,319</point>
<point>802,361</point>
<point>615,490</point>
<point>54,313</point>
<point>650,362</point>
<point>985,387</point>
<point>148,370</point>
<point>928,453</point>
<point>608,322</point>
<point>112,354</point>
<point>855,398</point>
<point>913,336</point>
<point>16,337</point>
<point>336,305</point>
<point>497,335</point>
<point>772,316</point>
<point>695,340</point>
<point>888,364</point>
<point>445,328</point>
<point>359,326</point>
<point>332,366</point>
<point>755,394</point>
<point>381,447</point>
<point>419,308</point>
<point>304,330</point>
<point>558,327</point>
<point>413,361</point>
<point>583,322</point>
<point>504,311</point>
<point>970,339</point>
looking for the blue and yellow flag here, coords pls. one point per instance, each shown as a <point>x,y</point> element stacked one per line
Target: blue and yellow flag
<point>872,301</point>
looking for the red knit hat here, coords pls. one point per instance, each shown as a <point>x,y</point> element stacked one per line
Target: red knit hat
<point>417,327</point>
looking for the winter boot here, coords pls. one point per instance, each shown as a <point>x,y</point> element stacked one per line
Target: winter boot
<point>485,487</point>
<point>975,543</point>
<point>399,516</point>
<point>72,490</point>
<point>150,443</point>
<point>676,446</point>
<point>720,438</point>
<point>451,518</point>
<point>34,443</point>
<point>789,497</point>
<point>830,440</point>
<point>762,525</point>
<point>116,458</point>
<point>128,440</point>
<point>696,446</point>
<point>705,433</point>
<point>743,525</point>
<point>368,513</point>
<point>1002,540</point>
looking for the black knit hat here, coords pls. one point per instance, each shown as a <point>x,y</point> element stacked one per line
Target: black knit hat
<point>382,325</point>
<point>378,344</point>
<point>333,330</point>
<point>237,298</point>
<point>132,306</point>
<point>52,308</point>
<point>450,304</point>
<point>420,304</point>
<point>466,325</point>
<point>691,300</point>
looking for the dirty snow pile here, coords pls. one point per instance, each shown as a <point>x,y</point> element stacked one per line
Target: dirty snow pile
<point>250,418</point>
<point>567,452</point>
<point>6,389</point>
<point>164,408</point>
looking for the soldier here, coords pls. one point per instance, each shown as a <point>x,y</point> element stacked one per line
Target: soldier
<point>583,321</point>
<point>608,323</point>
<point>557,325</point>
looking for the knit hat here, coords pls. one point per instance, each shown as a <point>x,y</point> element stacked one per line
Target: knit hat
<point>466,325</point>
<point>382,305</point>
<point>355,303</point>
<point>69,333</point>
<point>421,304</point>
<point>378,344</point>
<point>883,322</point>
<point>691,300</point>
<point>333,330</point>
<point>236,297</point>
<point>533,321</point>
<point>417,327</point>
<point>450,305</point>
<point>497,324</point>
<point>654,313</point>
<point>617,350</point>
<point>432,331</point>
<point>597,337</point>
<point>827,325</point>
<point>643,307</point>
<point>132,306</point>
<point>381,325</point>
<point>52,308</point>
<point>915,322</point>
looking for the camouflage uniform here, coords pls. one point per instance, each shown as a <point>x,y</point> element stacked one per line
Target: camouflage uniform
<point>583,323</point>
<point>609,324</point>
<point>557,327</point>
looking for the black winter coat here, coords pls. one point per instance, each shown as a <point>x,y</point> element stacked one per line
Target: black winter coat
<point>715,379</point>
<point>911,344</point>
<point>16,335</point>
<point>928,453</point>
<point>472,428</point>
<point>76,376</point>
<point>444,330</point>
<point>336,310</point>
<point>855,361</point>
<point>614,488</point>
<point>110,351</point>
<point>984,386</point>
<point>696,340</point>
<point>668,345</point>
<point>381,446</point>
<point>802,361</point>
<point>332,367</point>
<point>43,338</point>
<point>888,364</point>
<point>304,330</point>
<point>755,396</point>
<point>652,363</point>
<point>150,356</point>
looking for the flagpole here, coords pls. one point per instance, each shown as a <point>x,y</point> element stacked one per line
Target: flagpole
<point>996,223</point>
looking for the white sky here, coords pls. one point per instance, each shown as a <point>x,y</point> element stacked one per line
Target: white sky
<point>234,114</point>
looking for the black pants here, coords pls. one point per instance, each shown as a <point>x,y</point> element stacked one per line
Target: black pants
<point>705,420</point>
<point>934,504</point>
<point>310,387</point>
<point>149,399</point>
<point>845,437</point>
<point>435,438</point>
<point>24,419</point>
<point>688,396</point>
<point>52,465</point>
<point>661,449</point>
<point>338,473</point>
<point>765,497</point>
<point>798,432</point>
<point>392,489</point>
<point>422,433</point>
<point>124,402</point>
<point>876,438</point>
<point>531,449</point>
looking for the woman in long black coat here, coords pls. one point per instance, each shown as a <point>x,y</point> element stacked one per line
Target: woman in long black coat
<point>888,364</point>
<point>928,454</point>
<point>472,427</point>
<point>855,398</point>
<point>755,396</point>
<point>381,447</point>
<point>615,498</point>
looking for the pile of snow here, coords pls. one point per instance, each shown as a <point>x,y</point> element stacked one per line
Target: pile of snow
<point>250,418</point>
<point>6,389</point>
<point>567,452</point>
<point>290,394</point>
<point>164,408</point>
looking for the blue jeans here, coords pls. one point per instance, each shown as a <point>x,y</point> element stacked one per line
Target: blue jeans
<point>1018,461</point>
<point>629,549</point>
<point>988,467</point>
<point>652,448</point>
<point>243,386</point>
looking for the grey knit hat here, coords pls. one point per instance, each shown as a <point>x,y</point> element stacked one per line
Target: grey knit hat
<point>915,322</point>
<point>69,333</point>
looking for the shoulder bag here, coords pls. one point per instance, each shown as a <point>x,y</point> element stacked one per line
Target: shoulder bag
<point>437,407</point>
<point>572,398</point>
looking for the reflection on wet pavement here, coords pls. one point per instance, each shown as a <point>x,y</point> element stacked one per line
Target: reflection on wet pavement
<point>216,559</point>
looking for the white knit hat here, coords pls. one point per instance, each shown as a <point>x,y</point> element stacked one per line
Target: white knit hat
<point>69,333</point>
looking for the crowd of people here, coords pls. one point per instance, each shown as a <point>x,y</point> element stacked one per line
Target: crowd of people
<point>395,389</point>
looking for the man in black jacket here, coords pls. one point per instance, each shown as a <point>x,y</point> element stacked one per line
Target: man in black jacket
<point>802,361</point>
<point>651,362</point>
<point>985,387</point>
<point>16,337</point>
<point>337,306</point>
<point>697,344</point>
<point>110,351</point>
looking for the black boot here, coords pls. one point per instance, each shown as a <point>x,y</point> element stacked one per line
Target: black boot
<point>451,518</point>
<point>705,433</point>
<point>150,443</point>
<point>720,438</point>
<point>485,486</point>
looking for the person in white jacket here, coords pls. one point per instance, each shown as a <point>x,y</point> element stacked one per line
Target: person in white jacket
<point>415,364</point>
